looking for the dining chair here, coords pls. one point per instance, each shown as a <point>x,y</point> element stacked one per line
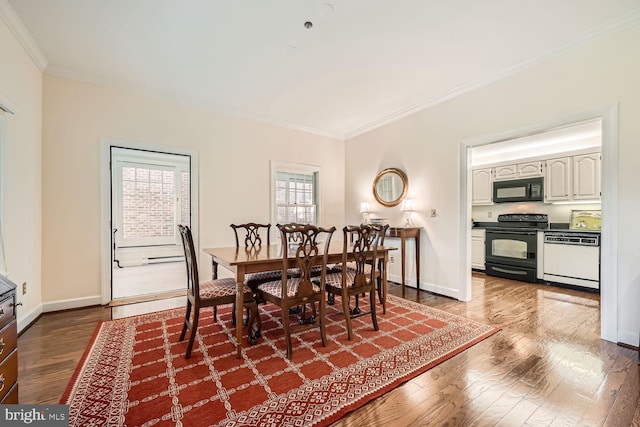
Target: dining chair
<point>209,293</point>
<point>289,292</point>
<point>250,235</point>
<point>382,232</point>
<point>358,275</point>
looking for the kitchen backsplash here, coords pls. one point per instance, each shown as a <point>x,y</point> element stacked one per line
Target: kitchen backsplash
<point>557,213</point>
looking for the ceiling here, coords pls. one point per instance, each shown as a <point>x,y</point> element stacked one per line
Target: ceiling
<point>363,63</point>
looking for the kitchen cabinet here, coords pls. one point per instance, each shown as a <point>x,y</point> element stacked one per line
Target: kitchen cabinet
<point>519,170</point>
<point>482,189</point>
<point>558,179</point>
<point>477,248</point>
<point>573,178</point>
<point>586,176</point>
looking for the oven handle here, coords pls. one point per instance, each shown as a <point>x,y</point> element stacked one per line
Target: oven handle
<point>504,270</point>
<point>528,233</point>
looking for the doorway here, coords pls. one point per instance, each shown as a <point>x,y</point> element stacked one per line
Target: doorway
<point>608,277</point>
<point>147,191</point>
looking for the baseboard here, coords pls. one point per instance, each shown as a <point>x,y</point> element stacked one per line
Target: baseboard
<point>71,303</point>
<point>28,319</point>
<point>629,338</point>
<point>425,286</point>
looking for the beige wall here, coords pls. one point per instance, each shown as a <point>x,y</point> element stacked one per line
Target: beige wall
<point>426,145</point>
<point>234,172</point>
<point>21,90</point>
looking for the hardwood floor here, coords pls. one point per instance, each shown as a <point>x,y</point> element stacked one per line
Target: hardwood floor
<point>547,366</point>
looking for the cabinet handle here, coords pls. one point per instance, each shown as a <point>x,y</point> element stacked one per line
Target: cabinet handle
<point>2,344</point>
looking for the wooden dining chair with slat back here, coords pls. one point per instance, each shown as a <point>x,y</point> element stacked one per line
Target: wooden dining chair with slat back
<point>252,240</point>
<point>301,291</point>
<point>209,293</point>
<point>252,235</point>
<point>352,265</point>
<point>360,274</point>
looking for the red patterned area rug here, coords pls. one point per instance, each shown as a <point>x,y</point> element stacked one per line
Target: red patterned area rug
<point>134,373</point>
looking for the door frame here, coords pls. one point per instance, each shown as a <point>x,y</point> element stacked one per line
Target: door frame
<point>106,235</point>
<point>609,239</point>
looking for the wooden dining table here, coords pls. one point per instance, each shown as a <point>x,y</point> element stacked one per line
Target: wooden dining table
<point>242,261</point>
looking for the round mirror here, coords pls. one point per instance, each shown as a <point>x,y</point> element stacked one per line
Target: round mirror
<point>390,187</point>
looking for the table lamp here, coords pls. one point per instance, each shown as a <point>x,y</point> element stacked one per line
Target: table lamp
<point>364,210</point>
<point>407,207</point>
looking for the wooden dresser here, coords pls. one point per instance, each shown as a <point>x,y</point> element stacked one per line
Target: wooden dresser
<point>8,343</point>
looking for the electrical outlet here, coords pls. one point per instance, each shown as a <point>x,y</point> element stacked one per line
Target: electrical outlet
<point>489,214</point>
<point>433,213</point>
<point>24,288</point>
<point>392,259</point>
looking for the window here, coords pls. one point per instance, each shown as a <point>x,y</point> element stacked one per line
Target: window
<point>151,196</point>
<point>295,193</point>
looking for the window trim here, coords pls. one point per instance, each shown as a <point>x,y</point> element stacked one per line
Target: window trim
<point>281,166</point>
<point>122,157</point>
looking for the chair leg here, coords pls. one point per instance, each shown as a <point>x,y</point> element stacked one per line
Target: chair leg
<point>287,332</point>
<point>254,323</point>
<point>372,300</point>
<point>379,286</point>
<point>194,329</point>
<point>215,313</point>
<point>347,315</point>
<point>186,321</point>
<point>321,319</point>
<point>356,309</point>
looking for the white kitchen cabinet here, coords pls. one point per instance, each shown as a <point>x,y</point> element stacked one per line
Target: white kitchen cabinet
<point>586,177</point>
<point>573,178</point>
<point>477,248</point>
<point>501,173</point>
<point>558,179</point>
<point>482,190</point>
<point>518,170</point>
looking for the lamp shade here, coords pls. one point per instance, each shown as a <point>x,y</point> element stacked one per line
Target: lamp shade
<point>407,205</point>
<point>364,207</point>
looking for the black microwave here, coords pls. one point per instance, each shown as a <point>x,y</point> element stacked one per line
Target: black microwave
<point>518,190</point>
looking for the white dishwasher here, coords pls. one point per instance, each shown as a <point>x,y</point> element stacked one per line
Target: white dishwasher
<point>572,258</point>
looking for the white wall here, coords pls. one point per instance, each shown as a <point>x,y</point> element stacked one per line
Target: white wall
<point>426,145</point>
<point>21,90</point>
<point>234,173</point>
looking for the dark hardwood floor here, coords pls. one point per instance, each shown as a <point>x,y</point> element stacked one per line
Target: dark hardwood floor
<point>547,367</point>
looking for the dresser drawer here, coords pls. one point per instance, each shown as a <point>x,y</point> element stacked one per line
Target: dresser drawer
<point>8,373</point>
<point>8,339</point>
<point>6,311</point>
<point>11,397</point>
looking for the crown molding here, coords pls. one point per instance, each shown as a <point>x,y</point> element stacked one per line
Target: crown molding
<point>97,80</point>
<point>609,28</point>
<point>21,33</point>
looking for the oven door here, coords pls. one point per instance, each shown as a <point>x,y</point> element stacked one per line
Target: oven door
<point>512,254</point>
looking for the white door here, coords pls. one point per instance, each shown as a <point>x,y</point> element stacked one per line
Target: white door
<point>150,197</point>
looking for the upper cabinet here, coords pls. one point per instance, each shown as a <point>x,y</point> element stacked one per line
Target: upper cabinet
<point>520,170</point>
<point>482,187</point>
<point>586,176</point>
<point>573,178</point>
<point>558,180</point>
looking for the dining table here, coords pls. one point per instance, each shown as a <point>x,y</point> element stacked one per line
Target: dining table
<point>241,261</point>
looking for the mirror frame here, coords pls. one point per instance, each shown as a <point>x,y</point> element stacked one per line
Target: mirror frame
<point>405,186</point>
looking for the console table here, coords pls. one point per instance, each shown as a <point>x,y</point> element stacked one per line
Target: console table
<point>405,233</point>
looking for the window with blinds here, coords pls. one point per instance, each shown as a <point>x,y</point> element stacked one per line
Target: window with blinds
<point>296,197</point>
